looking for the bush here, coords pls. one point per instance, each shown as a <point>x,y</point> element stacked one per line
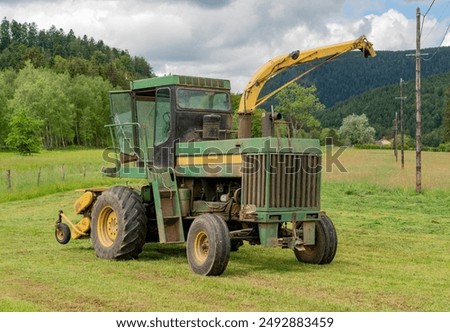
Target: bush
<point>444,147</point>
<point>370,146</point>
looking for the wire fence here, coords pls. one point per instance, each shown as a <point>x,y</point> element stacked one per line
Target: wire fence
<point>18,184</point>
<point>18,180</point>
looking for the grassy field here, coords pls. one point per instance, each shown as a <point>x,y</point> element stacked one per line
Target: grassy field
<point>378,167</point>
<point>25,177</point>
<point>393,252</point>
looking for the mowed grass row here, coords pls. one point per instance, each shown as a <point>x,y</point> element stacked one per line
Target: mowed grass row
<point>393,255</point>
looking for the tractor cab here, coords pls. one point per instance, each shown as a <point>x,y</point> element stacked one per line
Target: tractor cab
<point>156,113</point>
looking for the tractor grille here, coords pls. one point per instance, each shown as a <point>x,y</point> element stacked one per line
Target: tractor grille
<point>292,180</point>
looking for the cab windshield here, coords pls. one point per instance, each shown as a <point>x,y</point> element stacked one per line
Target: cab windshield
<point>193,99</point>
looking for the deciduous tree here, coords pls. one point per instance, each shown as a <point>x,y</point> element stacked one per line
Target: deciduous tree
<point>355,129</point>
<point>297,105</point>
<point>25,133</point>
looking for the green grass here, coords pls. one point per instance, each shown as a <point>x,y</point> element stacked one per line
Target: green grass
<point>379,167</point>
<point>393,255</point>
<point>50,172</point>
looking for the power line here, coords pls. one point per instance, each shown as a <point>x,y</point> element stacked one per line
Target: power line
<point>445,35</point>
<point>440,45</point>
<point>421,31</point>
<point>425,15</point>
<point>443,12</point>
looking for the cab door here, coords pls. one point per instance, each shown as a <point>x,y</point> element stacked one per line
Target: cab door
<point>133,125</point>
<point>121,103</point>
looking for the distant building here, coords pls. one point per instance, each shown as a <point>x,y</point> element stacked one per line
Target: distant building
<point>383,143</point>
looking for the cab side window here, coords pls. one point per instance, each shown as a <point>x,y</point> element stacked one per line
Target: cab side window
<point>162,119</point>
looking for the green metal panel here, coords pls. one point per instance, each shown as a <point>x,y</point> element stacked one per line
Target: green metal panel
<point>249,145</point>
<point>268,223</point>
<point>192,81</point>
<point>219,171</point>
<point>221,157</point>
<point>286,214</point>
<point>127,171</point>
<point>268,234</point>
<point>146,193</point>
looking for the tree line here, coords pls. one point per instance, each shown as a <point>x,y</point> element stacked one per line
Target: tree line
<point>60,109</point>
<point>381,104</point>
<point>66,53</point>
<point>54,86</point>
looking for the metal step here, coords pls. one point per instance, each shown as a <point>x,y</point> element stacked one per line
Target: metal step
<point>167,205</point>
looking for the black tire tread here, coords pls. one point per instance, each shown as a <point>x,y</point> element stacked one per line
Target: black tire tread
<point>324,251</point>
<point>219,241</point>
<point>224,246</point>
<point>132,223</point>
<point>66,233</point>
<point>330,231</point>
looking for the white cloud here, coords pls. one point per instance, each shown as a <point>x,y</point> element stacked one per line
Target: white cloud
<point>446,41</point>
<point>392,30</point>
<point>228,38</point>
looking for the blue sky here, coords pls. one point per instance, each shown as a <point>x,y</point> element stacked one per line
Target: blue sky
<point>407,8</point>
<point>232,38</point>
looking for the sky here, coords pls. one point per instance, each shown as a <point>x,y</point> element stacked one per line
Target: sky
<point>232,38</point>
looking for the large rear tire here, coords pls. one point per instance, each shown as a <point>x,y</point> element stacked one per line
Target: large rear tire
<point>325,247</point>
<point>119,224</point>
<point>208,245</point>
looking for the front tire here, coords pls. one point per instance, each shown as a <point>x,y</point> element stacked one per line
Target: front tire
<point>325,247</point>
<point>208,245</point>
<point>62,233</point>
<point>119,224</point>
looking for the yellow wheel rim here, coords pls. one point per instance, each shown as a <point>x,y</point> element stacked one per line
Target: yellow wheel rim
<point>59,234</point>
<point>201,247</point>
<point>107,226</point>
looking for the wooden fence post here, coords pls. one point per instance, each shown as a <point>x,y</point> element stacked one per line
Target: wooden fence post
<point>8,179</point>
<point>39,176</point>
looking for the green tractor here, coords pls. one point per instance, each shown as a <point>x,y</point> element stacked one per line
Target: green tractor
<point>202,186</point>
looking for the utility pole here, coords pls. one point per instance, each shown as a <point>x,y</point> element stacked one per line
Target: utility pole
<point>418,110</point>
<point>396,137</point>
<point>402,130</point>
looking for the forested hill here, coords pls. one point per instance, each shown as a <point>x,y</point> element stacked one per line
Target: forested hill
<point>58,83</point>
<point>352,74</point>
<point>65,52</point>
<point>381,104</point>
<point>352,84</point>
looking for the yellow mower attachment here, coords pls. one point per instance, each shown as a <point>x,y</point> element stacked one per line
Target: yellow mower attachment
<point>84,202</point>
<point>79,230</point>
<point>83,205</point>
